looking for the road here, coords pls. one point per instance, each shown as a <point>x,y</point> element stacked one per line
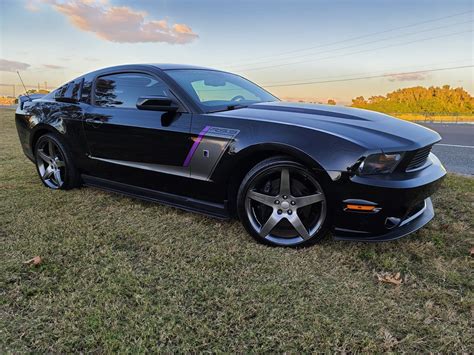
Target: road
<point>456,149</point>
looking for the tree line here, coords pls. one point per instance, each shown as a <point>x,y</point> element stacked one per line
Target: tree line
<point>420,99</point>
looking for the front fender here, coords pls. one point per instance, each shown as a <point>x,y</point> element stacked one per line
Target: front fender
<point>319,149</point>
<point>279,149</point>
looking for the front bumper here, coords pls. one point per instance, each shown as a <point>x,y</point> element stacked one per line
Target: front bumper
<point>406,227</point>
<point>403,204</point>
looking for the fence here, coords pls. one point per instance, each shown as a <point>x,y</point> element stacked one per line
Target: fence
<point>14,90</point>
<point>439,117</point>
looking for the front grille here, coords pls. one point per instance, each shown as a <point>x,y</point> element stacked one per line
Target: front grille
<point>419,159</point>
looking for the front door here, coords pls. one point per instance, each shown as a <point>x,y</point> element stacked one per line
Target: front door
<point>128,144</point>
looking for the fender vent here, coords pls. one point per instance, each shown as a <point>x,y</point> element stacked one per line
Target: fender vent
<point>419,159</point>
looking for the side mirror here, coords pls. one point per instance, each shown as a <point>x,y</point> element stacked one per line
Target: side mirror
<point>156,103</point>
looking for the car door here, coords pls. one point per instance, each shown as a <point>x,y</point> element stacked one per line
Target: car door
<point>127,143</point>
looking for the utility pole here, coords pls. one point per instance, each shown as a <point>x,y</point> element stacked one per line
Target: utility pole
<point>38,86</point>
<point>13,86</point>
<point>46,85</point>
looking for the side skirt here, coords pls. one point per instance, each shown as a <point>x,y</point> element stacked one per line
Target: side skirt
<point>188,204</point>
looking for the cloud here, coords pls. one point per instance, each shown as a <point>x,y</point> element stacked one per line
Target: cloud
<point>121,24</point>
<point>12,66</point>
<point>53,66</point>
<point>32,5</point>
<point>408,77</point>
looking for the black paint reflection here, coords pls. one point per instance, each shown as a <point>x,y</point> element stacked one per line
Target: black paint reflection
<point>105,95</point>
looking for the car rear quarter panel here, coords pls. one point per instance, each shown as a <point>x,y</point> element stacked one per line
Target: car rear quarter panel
<point>42,116</point>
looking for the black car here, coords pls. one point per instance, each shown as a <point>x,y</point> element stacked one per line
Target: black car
<point>213,142</point>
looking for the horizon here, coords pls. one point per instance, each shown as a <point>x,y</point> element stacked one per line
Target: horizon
<point>310,51</point>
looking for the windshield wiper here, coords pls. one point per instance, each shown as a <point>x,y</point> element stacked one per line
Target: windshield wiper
<point>229,108</point>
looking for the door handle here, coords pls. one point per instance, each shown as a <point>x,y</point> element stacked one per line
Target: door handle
<point>93,121</point>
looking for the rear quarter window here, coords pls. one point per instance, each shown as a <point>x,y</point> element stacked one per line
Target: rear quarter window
<point>70,91</point>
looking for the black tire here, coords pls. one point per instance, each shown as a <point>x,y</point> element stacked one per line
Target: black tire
<point>262,194</point>
<point>62,163</point>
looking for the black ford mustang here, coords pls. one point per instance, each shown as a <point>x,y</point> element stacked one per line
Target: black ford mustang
<point>213,142</point>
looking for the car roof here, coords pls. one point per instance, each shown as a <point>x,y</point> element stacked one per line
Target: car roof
<point>159,66</point>
<point>170,66</point>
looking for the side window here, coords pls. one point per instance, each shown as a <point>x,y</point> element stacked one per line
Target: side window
<point>123,90</point>
<point>72,90</point>
<point>76,89</point>
<point>86,91</point>
<point>61,91</point>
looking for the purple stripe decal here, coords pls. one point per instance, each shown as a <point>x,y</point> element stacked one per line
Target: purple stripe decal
<point>195,146</point>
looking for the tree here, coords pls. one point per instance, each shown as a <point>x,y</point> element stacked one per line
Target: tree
<point>331,102</point>
<point>419,99</point>
<point>359,101</point>
<point>35,91</point>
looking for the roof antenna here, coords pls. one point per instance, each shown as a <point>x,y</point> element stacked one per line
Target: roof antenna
<point>26,91</point>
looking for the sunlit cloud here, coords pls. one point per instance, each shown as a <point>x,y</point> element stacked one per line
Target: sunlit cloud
<point>409,77</point>
<point>53,66</point>
<point>121,24</point>
<point>32,5</point>
<point>12,66</point>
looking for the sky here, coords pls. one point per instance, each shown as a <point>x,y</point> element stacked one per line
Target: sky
<point>336,49</point>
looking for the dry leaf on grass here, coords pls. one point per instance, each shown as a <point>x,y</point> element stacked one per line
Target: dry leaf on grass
<point>35,261</point>
<point>394,279</point>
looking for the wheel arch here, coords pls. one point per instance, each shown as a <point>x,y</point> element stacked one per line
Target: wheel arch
<point>247,158</point>
<point>41,130</point>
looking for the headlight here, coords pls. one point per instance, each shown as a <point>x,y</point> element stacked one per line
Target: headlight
<point>379,164</point>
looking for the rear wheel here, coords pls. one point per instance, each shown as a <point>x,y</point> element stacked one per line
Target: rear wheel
<point>280,202</point>
<point>54,164</point>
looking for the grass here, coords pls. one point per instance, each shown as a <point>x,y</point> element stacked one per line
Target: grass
<point>123,275</point>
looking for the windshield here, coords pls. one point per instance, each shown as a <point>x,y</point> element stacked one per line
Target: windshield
<point>216,91</point>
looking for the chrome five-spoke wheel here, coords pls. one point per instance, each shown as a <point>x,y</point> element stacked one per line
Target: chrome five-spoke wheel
<point>285,205</point>
<point>50,162</point>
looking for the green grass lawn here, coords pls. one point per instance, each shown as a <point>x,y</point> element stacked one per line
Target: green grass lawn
<point>119,274</point>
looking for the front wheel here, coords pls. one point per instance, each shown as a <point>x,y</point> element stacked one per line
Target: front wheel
<point>280,202</point>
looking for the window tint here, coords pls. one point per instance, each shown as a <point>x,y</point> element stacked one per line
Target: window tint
<point>61,91</point>
<point>76,90</point>
<point>123,90</point>
<point>70,90</point>
<point>86,91</point>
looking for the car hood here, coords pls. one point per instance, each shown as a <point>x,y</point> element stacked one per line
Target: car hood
<point>372,130</point>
